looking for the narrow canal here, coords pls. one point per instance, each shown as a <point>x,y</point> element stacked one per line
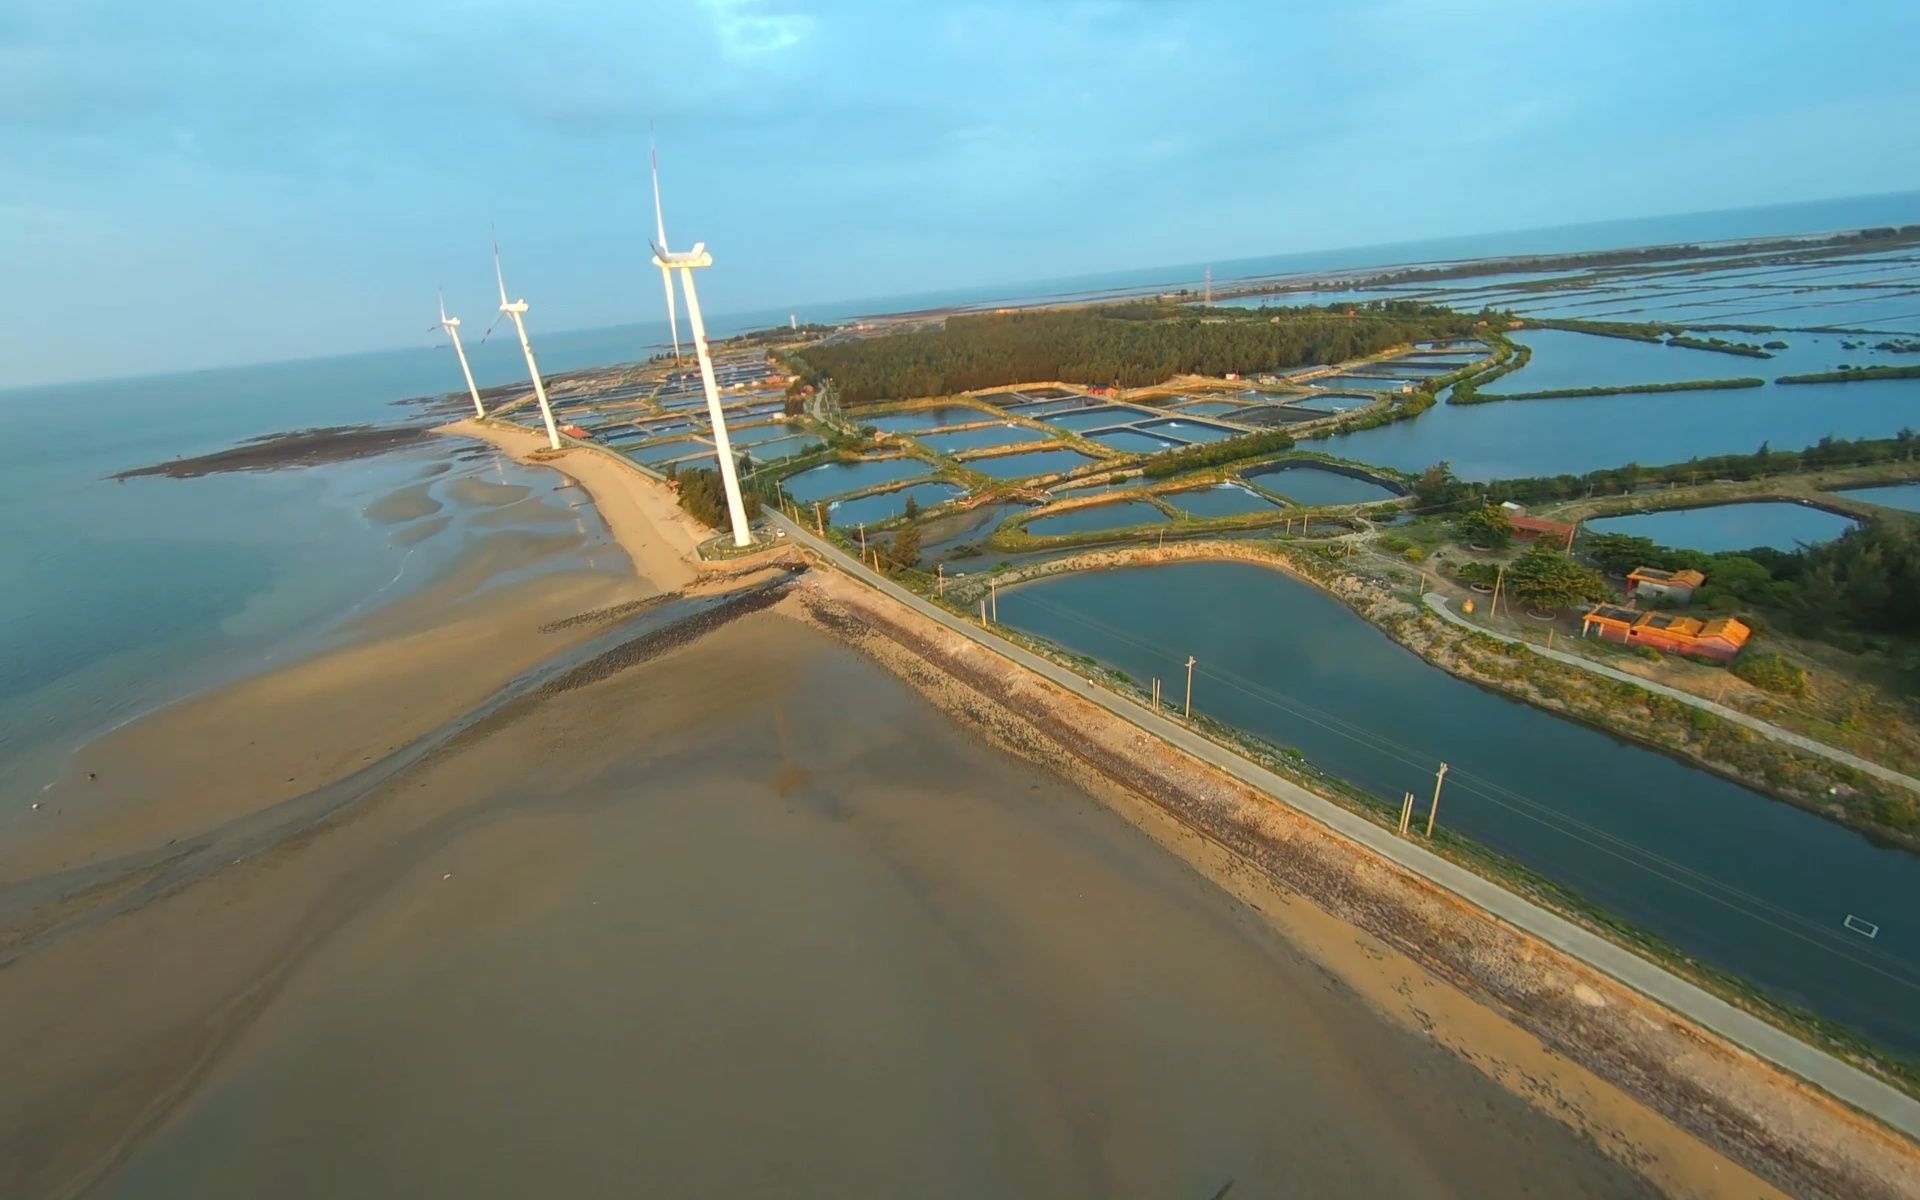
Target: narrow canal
<point>1745,883</point>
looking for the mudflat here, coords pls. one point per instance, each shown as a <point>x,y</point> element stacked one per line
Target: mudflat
<point>750,918</point>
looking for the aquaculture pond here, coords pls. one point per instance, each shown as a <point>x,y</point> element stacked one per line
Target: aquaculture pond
<point>1314,487</point>
<point>753,435</point>
<point>1740,881</point>
<point>653,456</point>
<point>1211,408</point>
<point>1517,438</point>
<point>780,448</point>
<point>1220,500</point>
<point>926,418</point>
<point>1022,466</point>
<point>1190,431</point>
<point>1133,441</point>
<point>1777,524</point>
<point>1121,514</point>
<point>1361,383</point>
<point>838,478</point>
<point>981,438</point>
<point>1578,360</point>
<point>1098,418</point>
<point>1905,496</point>
<point>883,506</point>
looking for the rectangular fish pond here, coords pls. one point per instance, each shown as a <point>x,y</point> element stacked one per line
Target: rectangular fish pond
<point>1316,486</point>
<point>1190,431</point>
<point>837,478</point>
<point>779,448</point>
<point>1122,514</point>
<point>1211,408</point>
<point>883,506</point>
<point>1023,466</point>
<point>981,438</point>
<point>1903,496</point>
<point>1220,500</point>
<point>1134,441</point>
<point>653,456</point>
<point>927,418</point>
<point>1098,418</point>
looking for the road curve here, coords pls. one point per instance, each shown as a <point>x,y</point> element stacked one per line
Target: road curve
<point>1839,1079</point>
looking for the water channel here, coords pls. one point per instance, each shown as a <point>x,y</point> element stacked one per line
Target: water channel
<point>1748,884</point>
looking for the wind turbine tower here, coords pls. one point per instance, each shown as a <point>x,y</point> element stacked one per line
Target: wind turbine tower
<point>518,309</point>
<point>452,326</point>
<point>660,229</point>
<point>686,262</point>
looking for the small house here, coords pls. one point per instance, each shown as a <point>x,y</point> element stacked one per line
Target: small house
<point>1719,639</point>
<point>1654,584</point>
<point>1534,529</point>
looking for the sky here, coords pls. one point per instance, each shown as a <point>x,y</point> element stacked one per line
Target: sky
<point>201,182</point>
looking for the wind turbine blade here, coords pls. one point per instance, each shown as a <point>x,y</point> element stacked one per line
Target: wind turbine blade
<point>489,332</point>
<point>443,305</point>
<point>659,217</point>
<point>498,276</point>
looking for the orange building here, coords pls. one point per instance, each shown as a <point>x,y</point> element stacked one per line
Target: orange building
<point>1719,638</point>
<point>1528,529</point>
<point>1655,584</point>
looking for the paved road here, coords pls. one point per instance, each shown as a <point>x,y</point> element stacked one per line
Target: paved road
<point>1840,1079</point>
<point>1438,604</point>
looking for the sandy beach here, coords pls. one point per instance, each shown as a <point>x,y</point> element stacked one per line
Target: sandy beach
<point>732,908</point>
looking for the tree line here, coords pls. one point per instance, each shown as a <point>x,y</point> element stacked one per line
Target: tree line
<point>1130,345</point>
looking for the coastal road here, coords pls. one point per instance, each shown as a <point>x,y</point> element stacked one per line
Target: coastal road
<point>1438,604</point>
<point>1840,1079</point>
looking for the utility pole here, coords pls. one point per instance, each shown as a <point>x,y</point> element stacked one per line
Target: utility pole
<point>863,541</point>
<point>1499,578</point>
<point>1439,777</point>
<point>940,571</point>
<point>983,610</point>
<point>993,590</point>
<point>1406,811</point>
<point>1156,695</point>
<point>1189,687</point>
<point>819,521</point>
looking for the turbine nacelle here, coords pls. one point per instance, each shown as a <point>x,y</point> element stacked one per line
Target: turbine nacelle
<point>447,322</point>
<point>513,306</point>
<point>685,259</point>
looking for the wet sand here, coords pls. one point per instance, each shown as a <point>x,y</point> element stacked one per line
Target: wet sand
<point>756,919</point>
<point>752,917</point>
<point>301,448</point>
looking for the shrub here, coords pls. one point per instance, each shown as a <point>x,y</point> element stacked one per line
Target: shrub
<point>1772,673</point>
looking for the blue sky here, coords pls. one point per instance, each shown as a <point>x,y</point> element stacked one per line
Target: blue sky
<point>200,182</point>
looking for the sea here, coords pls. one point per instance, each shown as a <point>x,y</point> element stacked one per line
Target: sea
<point>123,596</point>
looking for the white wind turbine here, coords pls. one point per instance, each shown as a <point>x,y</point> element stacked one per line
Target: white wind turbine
<point>452,326</point>
<point>517,309</point>
<point>686,262</point>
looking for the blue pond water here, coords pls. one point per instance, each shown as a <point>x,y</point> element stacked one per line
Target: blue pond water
<point>1221,500</point>
<point>1316,486</point>
<point>779,448</point>
<point>981,438</point>
<point>1133,441</point>
<point>1211,408</point>
<point>883,506</point>
<point>1775,523</point>
<point>1900,495</point>
<point>1022,466</point>
<point>928,418</point>
<point>1096,418</point>
<point>1740,881</point>
<point>836,479</point>
<point>1190,431</point>
<point>1121,514</point>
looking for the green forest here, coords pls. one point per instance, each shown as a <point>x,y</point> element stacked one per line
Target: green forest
<point>1130,345</point>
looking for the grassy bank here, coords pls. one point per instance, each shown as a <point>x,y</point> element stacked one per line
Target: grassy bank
<point>1857,375</point>
<point>1684,385</point>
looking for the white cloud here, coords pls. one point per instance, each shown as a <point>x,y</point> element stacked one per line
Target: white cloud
<point>748,33</point>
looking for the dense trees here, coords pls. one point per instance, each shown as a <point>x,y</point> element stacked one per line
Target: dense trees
<point>1544,578</point>
<point>1129,345</point>
<point>705,498</point>
<point>1212,454</point>
<point>1487,525</point>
